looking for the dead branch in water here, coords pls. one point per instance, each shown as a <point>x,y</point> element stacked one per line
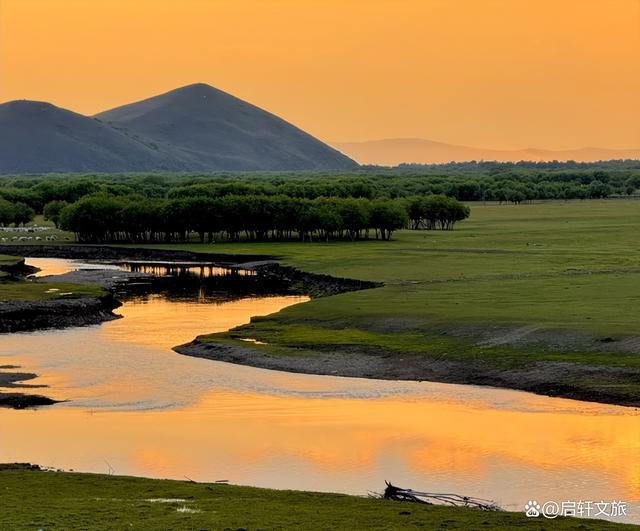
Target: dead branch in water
<point>392,492</point>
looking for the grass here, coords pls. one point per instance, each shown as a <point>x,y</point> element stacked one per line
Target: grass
<point>569,265</point>
<point>54,500</point>
<point>9,261</point>
<point>9,232</point>
<point>568,268</point>
<point>24,290</point>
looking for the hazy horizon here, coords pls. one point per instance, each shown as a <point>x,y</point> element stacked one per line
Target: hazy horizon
<point>386,149</point>
<point>497,74</point>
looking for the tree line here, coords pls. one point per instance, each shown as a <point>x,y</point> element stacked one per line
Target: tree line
<point>102,218</point>
<point>435,212</point>
<point>15,213</point>
<point>504,183</point>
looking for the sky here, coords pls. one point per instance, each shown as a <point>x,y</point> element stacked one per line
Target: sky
<point>502,74</point>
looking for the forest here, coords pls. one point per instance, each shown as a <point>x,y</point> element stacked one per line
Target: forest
<point>100,218</point>
<point>373,202</point>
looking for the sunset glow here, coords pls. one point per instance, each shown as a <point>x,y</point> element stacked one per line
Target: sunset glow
<point>499,73</point>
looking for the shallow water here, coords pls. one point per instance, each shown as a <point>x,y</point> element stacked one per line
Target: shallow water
<point>55,266</point>
<point>139,408</point>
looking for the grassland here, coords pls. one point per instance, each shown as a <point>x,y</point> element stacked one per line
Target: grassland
<point>7,264</point>
<point>543,297</point>
<point>16,289</point>
<point>34,499</point>
<point>33,291</point>
<point>524,288</point>
<point>8,233</point>
<point>9,261</point>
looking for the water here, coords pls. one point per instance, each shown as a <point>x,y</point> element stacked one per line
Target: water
<point>139,408</point>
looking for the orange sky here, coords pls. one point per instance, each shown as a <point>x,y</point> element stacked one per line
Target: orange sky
<point>491,73</point>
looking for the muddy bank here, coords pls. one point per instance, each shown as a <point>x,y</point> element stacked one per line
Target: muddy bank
<point>268,277</point>
<point>284,279</point>
<point>302,283</point>
<point>14,380</point>
<point>18,269</point>
<point>109,279</point>
<point>557,379</point>
<point>20,315</point>
<point>105,252</point>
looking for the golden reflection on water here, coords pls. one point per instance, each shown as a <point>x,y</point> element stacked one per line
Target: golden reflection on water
<point>282,430</point>
<point>348,444</point>
<point>58,266</point>
<point>156,322</point>
<point>51,266</point>
<point>203,270</point>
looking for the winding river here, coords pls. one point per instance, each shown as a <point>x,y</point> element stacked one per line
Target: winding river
<point>136,407</point>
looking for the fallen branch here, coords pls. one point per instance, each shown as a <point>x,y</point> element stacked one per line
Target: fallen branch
<point>392,492</point>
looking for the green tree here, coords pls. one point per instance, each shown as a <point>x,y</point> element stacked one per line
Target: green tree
<point>52,211</point>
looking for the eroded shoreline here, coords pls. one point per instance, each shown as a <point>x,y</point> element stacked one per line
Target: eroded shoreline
<point>548,379</point>
<point>15,380</point>
<point>58,313</point>
<point>551,378</point>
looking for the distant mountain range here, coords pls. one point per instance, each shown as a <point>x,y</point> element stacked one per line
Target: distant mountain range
<point>193,128</point>
<point>391,152</point>
<point>201,128</point>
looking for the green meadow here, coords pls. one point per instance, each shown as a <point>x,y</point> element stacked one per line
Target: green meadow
<point>569,270</point>
<point>564,265</point>
<point>7,263</point>
<point>62,500</point>
<point>21,290</point>
<point>14,289</point>
<point>515,287</point>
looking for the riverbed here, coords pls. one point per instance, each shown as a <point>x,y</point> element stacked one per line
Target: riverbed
<point>134,406</point>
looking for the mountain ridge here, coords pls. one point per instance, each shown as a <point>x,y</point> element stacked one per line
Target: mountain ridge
<point>192,128</point>
<point>190,119</point>
<point>394,151</point>
<point>38,136</point>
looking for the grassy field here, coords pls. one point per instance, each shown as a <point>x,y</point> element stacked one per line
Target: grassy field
<point>14,289</point>
<point>569,272</point>
<point>514,288</point>
<point>6,264</point>
<point>9,232</point>
<point>54,500</point>
<point>23,290</point>
<point>9,261</point>
<point>570,265</point>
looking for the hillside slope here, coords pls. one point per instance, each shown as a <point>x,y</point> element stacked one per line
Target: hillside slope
<point>39,137</point>
<point>206,128</point>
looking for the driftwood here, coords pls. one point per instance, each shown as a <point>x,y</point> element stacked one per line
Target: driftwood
<point>392,492</point>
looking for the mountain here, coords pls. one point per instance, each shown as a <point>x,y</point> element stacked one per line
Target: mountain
<point>195,128</point>
<point>206,128</point>
<point>37,137</point>
<point>391,152</point>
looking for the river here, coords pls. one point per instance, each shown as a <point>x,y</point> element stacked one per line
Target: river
<point>136,407</point>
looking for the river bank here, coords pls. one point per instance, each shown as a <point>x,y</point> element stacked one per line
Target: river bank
<point>33,312</point>
<point>10,379</point>
<point>538,297</point>
<point>350,335</point>
<point>27,306</point>
<point>28,315</point>
<point>90,296</point>
<point>37,498</point>
<point>360,361</point>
